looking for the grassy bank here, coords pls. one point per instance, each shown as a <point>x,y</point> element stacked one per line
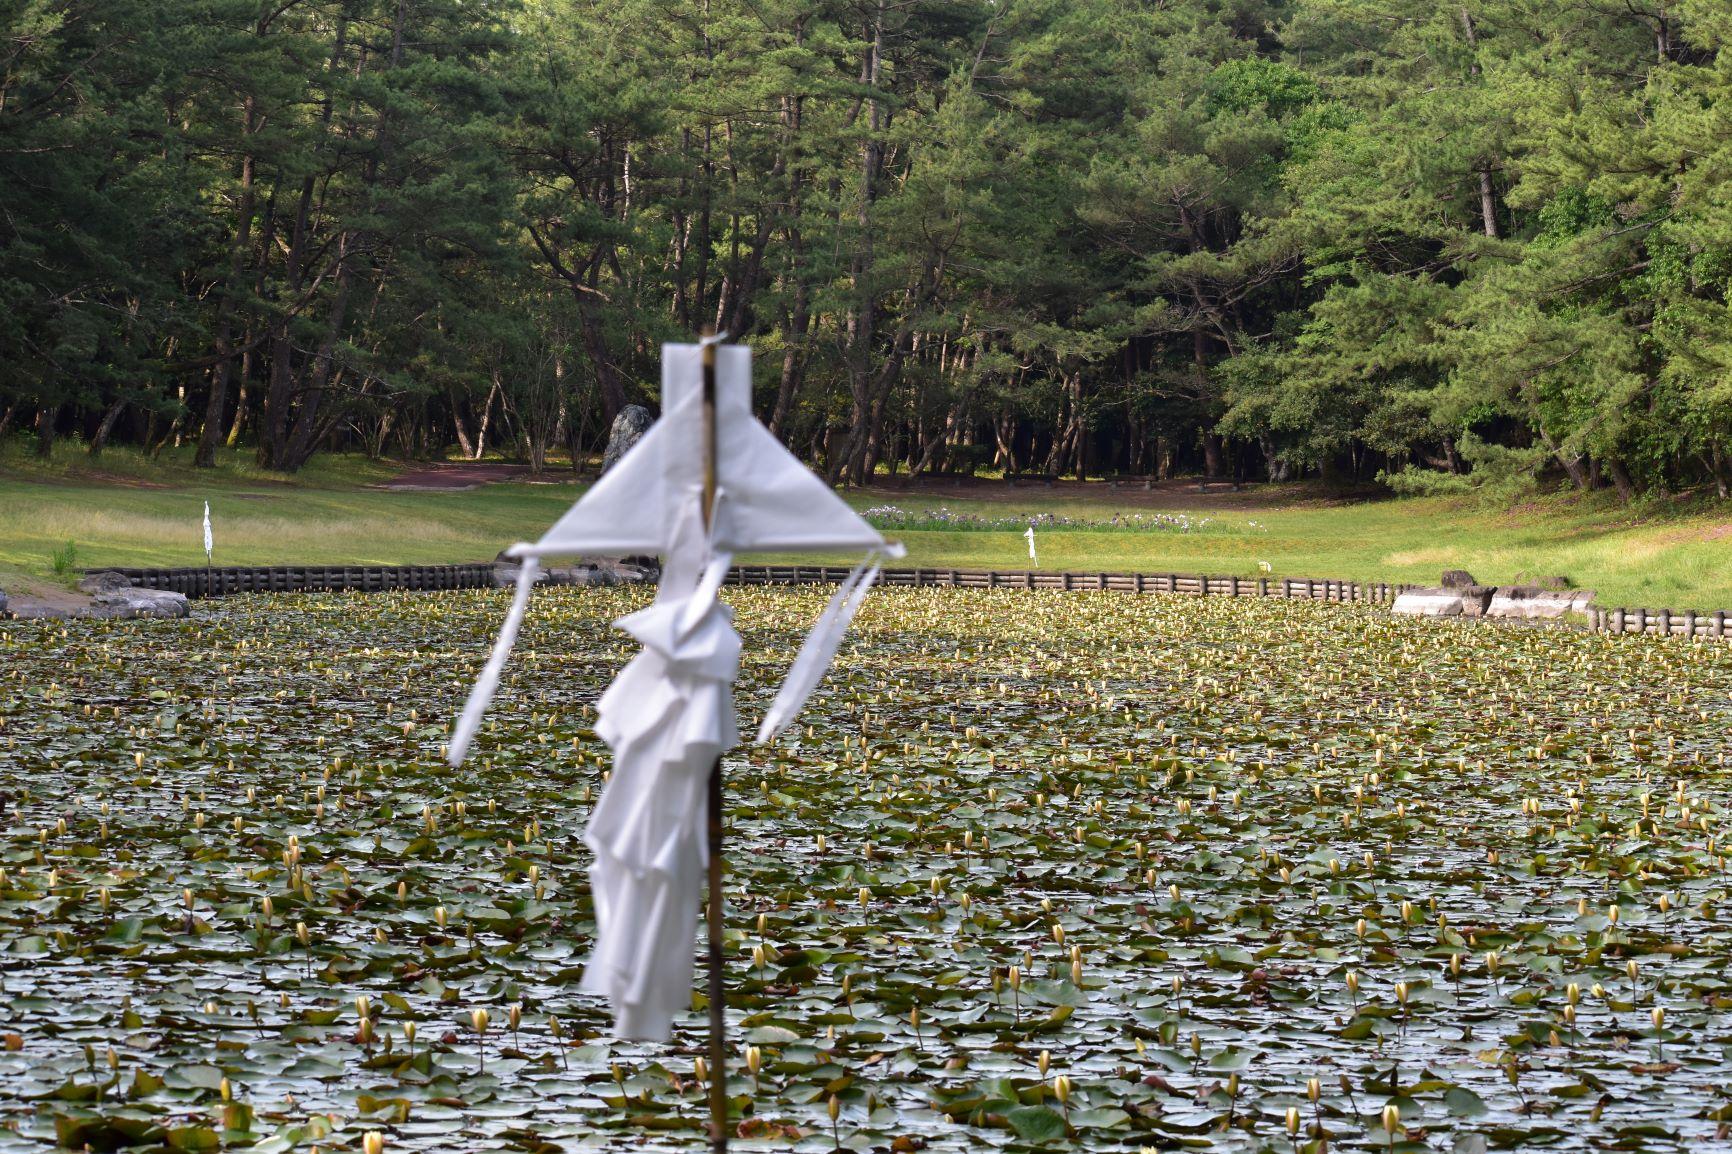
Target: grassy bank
<point>126,511</point>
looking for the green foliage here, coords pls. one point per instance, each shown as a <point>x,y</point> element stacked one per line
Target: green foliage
<point>1267,237</point>
<point>1259,83</point>
<point>64,560</point>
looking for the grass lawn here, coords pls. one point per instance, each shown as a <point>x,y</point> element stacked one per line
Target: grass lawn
<point>122,510</point>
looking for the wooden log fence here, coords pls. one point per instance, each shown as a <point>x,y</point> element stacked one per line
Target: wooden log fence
<point>1659,622</point>
<point>1193,584</point>
<point>221,581</point>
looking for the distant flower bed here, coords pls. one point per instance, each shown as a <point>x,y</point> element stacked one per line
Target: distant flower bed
<point>942,518</point>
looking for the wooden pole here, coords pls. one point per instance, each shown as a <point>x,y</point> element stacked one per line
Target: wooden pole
<point>713,913</point>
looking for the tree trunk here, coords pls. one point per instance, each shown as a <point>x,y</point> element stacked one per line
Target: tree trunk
<point>1621,479</point>
<point>304,437</point>
<point>1272,462</point>
<point>1572,463</point>
<point>486,419</point>
<point>241,406</point>
<point>794,355</point>
<point>99,439</point>
<point>45,421</point>
<point>1487,203</point>
<point>279,389</point>
<point>607,374</point>
<point>463,442</point>
<point>211,433</point>
<point>862,323</point>
<point>1212,455</point>
<point>1451,457</point>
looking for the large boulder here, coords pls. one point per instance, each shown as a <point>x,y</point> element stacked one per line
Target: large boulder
<point>1462,602</point>
<point>595,571</point>
<point>628,429</point>
<point>1458,579</point>
<point>1533,603</point>
<point>113,595</point>
<point>130,602</point>
<point>1427,603</point>
<point>103,581</point>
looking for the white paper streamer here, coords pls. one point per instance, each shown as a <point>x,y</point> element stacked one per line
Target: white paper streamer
<point>819,648</point>
<point>488,683</point>
<point>667,717</point>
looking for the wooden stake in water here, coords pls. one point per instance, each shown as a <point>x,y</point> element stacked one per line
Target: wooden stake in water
<point>713,912</point>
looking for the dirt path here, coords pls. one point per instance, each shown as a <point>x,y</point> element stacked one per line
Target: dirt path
<point>28,597</point>
<point>455,477</point>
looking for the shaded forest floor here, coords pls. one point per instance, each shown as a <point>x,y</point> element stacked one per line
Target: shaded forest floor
<point>123,510</point>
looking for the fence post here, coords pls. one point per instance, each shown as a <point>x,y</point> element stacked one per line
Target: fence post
<point>1719,623</point>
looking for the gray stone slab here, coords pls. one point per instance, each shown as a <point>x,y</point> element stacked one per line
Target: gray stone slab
<point>1532,603</point>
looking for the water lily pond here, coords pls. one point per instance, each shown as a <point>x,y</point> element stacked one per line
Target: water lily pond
<point>1038,871</point>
